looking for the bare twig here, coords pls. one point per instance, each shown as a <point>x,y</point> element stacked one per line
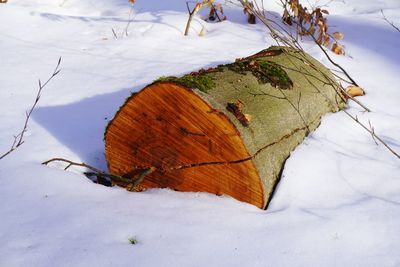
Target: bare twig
<point>114,33</point>
<point>130,19</point>
<point>19,138</point>
<point>193,12</point>
<point>369,129</point>
<point>101,174</point>
<point>390,23</point>
<point>213,7</point>
<point>333,62</point>
<point>373,134</point>
<point>372,129</point>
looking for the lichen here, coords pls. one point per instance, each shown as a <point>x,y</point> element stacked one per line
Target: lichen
<point>264,71</point>
<point>203,83</point>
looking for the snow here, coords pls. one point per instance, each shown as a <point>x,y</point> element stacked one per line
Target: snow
<point>338,203</point>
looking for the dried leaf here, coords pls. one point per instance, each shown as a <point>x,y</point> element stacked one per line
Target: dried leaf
<point>239,104</point>
<point>311,31</point>
<point>286,17</point>
<point>236,109</point>
<point>248,117</point>
<point>208,3</point>
<point>219,8</point>
<point>307,17</point>
<point>251,19</point>
<point>320,38</point>
<point>212,14</point>
<point>326,41</point>
<point>294,4</point>
<point>295,11</point>
<point>337,49</point>
<point>338,35</point>
<point>354,91</point>
<point>325,11</point>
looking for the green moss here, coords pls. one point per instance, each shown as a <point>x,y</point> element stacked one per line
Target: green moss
<point>274,47</point>
<point>202,82</point>
<point>264,71</point>
<point>275,74</point>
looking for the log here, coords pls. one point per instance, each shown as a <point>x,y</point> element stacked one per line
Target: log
<point>226,130</point>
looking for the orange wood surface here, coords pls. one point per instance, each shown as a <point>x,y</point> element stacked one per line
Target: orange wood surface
<point>167,126</point>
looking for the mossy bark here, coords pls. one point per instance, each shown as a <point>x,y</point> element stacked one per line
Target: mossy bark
<point>273,99</point>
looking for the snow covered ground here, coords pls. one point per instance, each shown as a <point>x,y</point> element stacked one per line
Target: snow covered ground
<point>338,203</point>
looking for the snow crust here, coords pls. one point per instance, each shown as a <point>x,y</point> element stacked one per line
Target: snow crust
<point>338,203</point>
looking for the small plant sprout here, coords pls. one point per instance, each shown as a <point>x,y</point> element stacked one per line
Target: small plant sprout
<point>132,240</point>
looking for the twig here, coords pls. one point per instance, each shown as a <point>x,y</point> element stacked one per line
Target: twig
<point>333,62</point>
<point>19,138</point>
<point>369,129</point>
<point>373,134</point>
<point>216,12</point>
<point>129,20</point>
<point>193,12</point>
<point>115,35</point>
<point>102,174</point>
<point>390,23</point>
<point>372,129</point>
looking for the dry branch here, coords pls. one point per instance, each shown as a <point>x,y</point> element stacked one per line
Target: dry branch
<point>19,138</point>
<point>193,12</point>
<point>101,175</point>
<point>390,22</point>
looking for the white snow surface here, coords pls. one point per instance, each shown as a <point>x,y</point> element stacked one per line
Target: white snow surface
<point>338,203</point>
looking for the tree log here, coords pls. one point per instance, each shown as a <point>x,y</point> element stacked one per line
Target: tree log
<point>225,130</point>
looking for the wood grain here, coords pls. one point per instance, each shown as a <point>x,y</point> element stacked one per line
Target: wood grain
<point>167,126</point>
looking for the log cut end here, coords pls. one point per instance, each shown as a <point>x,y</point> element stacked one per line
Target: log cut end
<point>190,145</point>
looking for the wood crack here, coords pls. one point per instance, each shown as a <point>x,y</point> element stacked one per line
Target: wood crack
<point>194,165</point>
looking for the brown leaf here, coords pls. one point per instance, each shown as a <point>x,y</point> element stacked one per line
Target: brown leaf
<point>208,3</point>
<point>338,35</point>
<point>354,91</point>
<point>212,14</point>
<point>325,11</point>
<point>248,117</point>
<point>337,49</point>
<point>319,39</point>
<point>251,19</point>
<point>311,31</point>
<point>326,41</point>
<point>295,11</point>
<point>219,8</point>
<point>236,109</point>
<point>286,17</point>
<point>307,17</point>
<point>239,104</point>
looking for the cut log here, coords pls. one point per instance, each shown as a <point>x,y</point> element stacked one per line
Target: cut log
<point>226,130</point>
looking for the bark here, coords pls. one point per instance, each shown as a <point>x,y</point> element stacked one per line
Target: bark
<point>226,130</point>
